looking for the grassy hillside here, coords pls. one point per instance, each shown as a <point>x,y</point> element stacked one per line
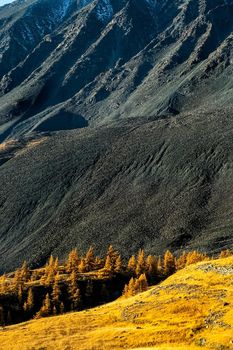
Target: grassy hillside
<point>190,310</point>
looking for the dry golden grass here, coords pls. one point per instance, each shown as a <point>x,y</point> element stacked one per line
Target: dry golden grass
<point>193,310</point>
<point>7,144</point>
<point>30,145</point>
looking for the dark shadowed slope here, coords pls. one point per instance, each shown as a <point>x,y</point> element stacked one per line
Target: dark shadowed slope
<point>102,59</point>
<point>158,184</point>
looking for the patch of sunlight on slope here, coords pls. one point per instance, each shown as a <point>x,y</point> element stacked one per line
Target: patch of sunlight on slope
<point>192,309</point>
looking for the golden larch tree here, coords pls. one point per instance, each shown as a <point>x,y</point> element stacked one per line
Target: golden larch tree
<point>90,259</point>
<point>169,263</point>
<point>29,303</point>
<point>56,292</point>
<point>181,261</point>
<point>46,308</point>
<point>82,266</point>
<point>72,261</point>
<point>195,257</point>
<point>118,265</point>
<point>131,290</point>
<point>141,284</point>
<point>151,266</point>
<point>112,254</point>
<point>132,264</point>
<point>225,253</point>
<point>141,263</point>
<point>109,265</point>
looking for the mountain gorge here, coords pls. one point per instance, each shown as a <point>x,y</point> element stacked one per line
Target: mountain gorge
<point>115,127</point>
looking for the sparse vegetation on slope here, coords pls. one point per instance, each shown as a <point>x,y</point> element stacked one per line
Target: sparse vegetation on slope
<point>84,281</point>
<point>190,310</point>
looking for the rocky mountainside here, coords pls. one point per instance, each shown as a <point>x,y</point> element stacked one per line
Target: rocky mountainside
<point>156,185</point>
<point>67,64</point>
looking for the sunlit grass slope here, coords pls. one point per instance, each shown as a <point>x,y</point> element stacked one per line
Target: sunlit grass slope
<point>193,309</point>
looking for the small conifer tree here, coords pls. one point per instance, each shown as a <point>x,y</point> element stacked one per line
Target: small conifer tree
<point>169,263</point>
<point>181,261</point>
<point>82,266</point>
<point>46,308</point>
<point>141,284</point>
<point>118,265</point>
<point>160,267</point>
<point>25,272</point>
<point>73,261</point>
<point>112,254</point>
<point>225,253</point>
<point>131,287</point>
<point>141,263</point>
<point>29,304</point>
<point>132,264</point>
<point>195,257</point>
<point>151,266</point>
<point>99,263</point>
<point>56,293</point>
<point>90,260</point>
<point>108,267</point>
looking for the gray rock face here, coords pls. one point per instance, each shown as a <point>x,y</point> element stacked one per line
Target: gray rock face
<point>104,59</point>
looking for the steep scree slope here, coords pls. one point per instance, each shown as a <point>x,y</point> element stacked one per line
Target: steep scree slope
<point>157,185</point>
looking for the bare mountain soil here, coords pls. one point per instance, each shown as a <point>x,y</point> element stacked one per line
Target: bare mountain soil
<point>156,184</point>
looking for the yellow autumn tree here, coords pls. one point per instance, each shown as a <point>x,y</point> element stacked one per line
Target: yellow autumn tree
<point>130,288</point>
<point>112,254</point>
<point>90,259</point>
<point>56,292</point>
<point>118,265</point>
<point>141,284</point>
<point>72,261</point>
<point>169,263</point>
<point>74,292</point>
<point>195,257</point>
<point>109,266</point>
<point>181,261</point>
<point>3,284</point>
<point>29,303</point>
<point>82,266</point>
<point>225,253</point>
<point>25,272</point>
<point>21,276</point>
<point>135,286</point>
<point>50,272</point>
<point>151,266</point>
<point>160,267</point>
<point>99,263</point>
<point>141,263</point>
<point>46,308</point>
<point>132,264</point>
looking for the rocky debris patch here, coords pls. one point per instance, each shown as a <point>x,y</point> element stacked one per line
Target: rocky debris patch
<point>223,270</point>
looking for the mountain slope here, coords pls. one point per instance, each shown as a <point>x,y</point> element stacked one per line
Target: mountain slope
<point>101,60</point>
<point>154,184</point>
<point>191,309</point>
